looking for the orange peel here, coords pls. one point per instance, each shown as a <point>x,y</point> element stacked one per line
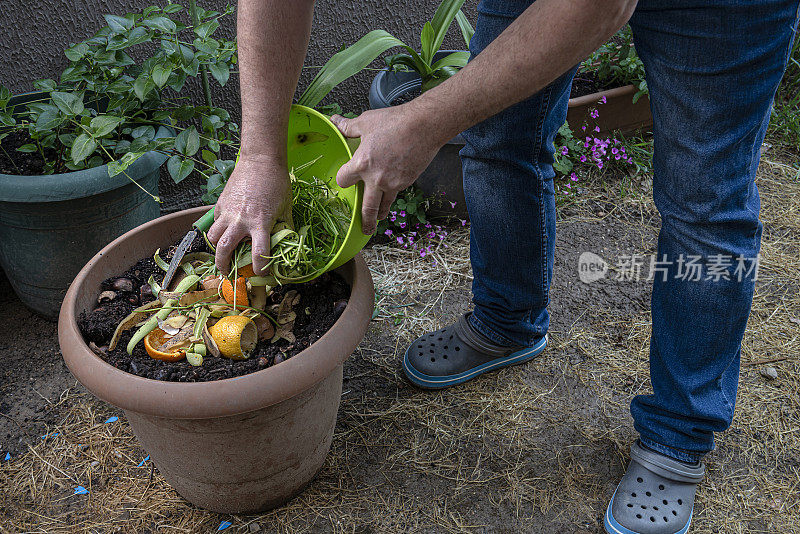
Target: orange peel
<point>153,342</point>
<point>240,293</point>
<point>235,336</point>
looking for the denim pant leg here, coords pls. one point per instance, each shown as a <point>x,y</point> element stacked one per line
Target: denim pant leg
<point>508,182</point>
<point>712,69</point>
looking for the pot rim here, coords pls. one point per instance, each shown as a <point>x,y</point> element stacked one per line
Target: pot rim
<point>592,98</point>
<point>220,398</point>
<point>404,88</point>
<point>74,184</point>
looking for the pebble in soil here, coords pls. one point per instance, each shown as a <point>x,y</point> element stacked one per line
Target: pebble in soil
<point>321,303</point>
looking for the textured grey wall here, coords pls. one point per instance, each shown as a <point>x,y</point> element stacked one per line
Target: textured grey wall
<point>35,33</point>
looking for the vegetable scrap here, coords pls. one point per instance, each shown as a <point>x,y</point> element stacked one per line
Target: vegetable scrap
<point>210,313</point>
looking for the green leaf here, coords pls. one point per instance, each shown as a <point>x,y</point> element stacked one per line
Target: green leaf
<point>47,85</point>
<point>179,168</point>
<point>118,87</point>
<point>455,59</point>
<point>426,39</point>
<point>77,52</point>
<point>122,164</point>
<point>102,125</point>
<point>188,141</point>
<point>48,120</point>
<point>221,72</point>
<point>346,63</point>
<point>5,96</point>
<point>82,148</point>
<point>172,8</point>
<point>118,24</point>
<point>6,119</point>
<point>161,75</point>
<point>467,31</point>
<point>30,147</point>
<point>70,104</point>
<point>142,86</point>
<point>137,36</point>
<point>209,157</point>
<point>160,23</point>
<point>442,19</point>
<point>148,132</point>
<point>205,29</point>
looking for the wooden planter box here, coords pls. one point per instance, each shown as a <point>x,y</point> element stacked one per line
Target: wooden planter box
<point>618,113</point>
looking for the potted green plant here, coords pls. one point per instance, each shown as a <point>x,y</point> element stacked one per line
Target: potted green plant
<point>411,73</point>
<point>613,76</point>
<point>80,157</point>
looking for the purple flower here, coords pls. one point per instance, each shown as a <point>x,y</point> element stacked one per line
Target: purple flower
<point>583,159</point>
<point>614,150</point>
<point>596,128</point>
<point>422,253</point>
<point>402,225</point>
<point>453,204</point>
<point>463,222</point>
<point>603,99</point>
<point>403,213</point>
<point>599,164</point>
<point>573,177</point>
<point>583,127</point>
<point>388,231</point>
<point>400,239</point>
<point>564,151</point>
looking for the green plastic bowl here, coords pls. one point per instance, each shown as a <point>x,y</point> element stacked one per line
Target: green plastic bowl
<point>312,134</point>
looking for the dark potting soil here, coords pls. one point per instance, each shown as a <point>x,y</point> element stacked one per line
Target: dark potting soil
<point>586,82</point>
<point>322,302</point>
<point>22,163</point>
<point>407,97</point>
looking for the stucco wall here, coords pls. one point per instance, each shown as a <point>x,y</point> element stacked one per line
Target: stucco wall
<point>33,35</point>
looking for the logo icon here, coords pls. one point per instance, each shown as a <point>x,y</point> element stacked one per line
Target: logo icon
<point>591,267</point>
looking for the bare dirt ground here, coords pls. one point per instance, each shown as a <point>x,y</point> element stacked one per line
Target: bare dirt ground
<point>537,448</point>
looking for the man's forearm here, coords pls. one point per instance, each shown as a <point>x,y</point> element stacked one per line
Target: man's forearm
<point>544,42</point>
<point>272,38</point>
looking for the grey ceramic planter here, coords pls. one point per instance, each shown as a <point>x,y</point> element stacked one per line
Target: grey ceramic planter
<point>51,225</point>
<point>443,178</point>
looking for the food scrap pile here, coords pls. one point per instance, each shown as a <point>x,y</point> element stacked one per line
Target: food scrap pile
<point>206,316</point>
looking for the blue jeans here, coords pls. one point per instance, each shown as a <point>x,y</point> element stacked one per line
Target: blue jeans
<point>712,70</point>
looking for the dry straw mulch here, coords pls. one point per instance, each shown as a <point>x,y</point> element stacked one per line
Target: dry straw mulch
<point>536,449</point>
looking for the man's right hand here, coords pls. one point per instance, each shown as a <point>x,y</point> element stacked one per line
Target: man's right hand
<point>255,197</point>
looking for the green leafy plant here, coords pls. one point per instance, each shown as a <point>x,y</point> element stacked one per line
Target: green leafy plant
<point>359,55</point>
<point>107,107</point>
<point>433,72</point>
<point>616,62</point>
<point>785,123</point>
<point>408,211</point>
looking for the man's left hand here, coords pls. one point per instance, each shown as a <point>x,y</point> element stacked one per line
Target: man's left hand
<point>395,148</point>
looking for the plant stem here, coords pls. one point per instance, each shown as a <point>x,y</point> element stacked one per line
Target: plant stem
<point>14,163</point>
<point>203,68</point>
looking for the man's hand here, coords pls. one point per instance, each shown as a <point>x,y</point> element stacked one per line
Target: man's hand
<point>396,146</point>
<point>256,195</point>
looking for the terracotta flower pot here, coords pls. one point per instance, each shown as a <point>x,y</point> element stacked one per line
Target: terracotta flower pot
<point>618,113</point>
<point>244,444</point>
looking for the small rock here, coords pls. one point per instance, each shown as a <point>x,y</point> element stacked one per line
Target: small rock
<point>254,527</point>
<point>770,373</point>
<point>106,296</point>
<point>123,284</point>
